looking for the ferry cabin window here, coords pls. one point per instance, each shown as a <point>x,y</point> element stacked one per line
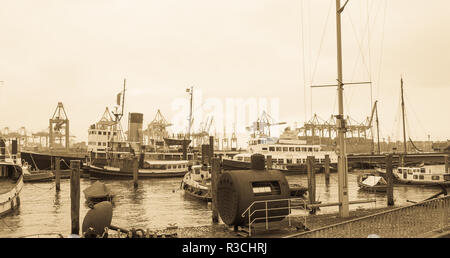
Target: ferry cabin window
<point>415,177</point>
<point>285,148</point>
<point>435,178</point>
<point>278,148</point>
<point>264,149</point>
<point>271,148</point>
<point>422,170</point>
<point>239,158</point>
<point>280,161</point>
<point>299,161</point>
<point>310,149</point>
<point>99,144</point>
<point>289,161</point>
<point>421,177</point>
<point>291,149</point>
<point>410,172</point>
<point>298,149</point>
<point>304,149</point>
<point>246,158</point>
<point>400,171</point>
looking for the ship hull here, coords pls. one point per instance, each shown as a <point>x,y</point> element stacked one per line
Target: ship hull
<point>99,172</point>
<point>42,161</point>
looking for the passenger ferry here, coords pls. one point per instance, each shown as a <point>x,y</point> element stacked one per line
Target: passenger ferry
<point>150,169</point>
<point>287,154</point>
<point>424,175</point>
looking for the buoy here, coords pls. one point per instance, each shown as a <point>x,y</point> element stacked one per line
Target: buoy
<point>97,219</point>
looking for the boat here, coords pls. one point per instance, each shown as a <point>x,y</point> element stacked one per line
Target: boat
<point>98,192</point>
<point>197,183</point>
<point>43,160</point>
<point>150,169</point>
<point>287,156</point>
<point>297,190</point>
<point>11,183</point>
<point>424,175</point>
<point>372,183</point>
<point>36,176</point>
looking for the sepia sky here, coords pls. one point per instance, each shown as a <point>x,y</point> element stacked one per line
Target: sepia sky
<point>79,52</point>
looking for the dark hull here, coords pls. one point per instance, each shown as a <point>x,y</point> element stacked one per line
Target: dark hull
<point>199,194</point>
<point>41,161</point>
<point>38,177</point>
<point>98,172</point>
<point>229,164</point>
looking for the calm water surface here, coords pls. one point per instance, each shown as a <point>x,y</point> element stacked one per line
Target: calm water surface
<point>159,202</point>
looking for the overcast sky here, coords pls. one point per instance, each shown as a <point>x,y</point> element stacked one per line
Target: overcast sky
<point>79,52</point>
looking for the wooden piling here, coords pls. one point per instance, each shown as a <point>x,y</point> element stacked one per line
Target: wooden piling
<point>75,196</point>
<point>135,167</point>
<point>57,173</point>
<point>211,150</point>
<point>215,172</point>
<point>446,163</point>
<point>311,182</point>
<point>390,181</point>
<point>269,162</point>
<point>327,170</point>
<point>205,153</point>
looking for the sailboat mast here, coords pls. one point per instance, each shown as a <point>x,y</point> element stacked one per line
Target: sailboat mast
<point>378,129</point>
<point>191,92</point>
<point>403,117</point>
<point>342,166</point>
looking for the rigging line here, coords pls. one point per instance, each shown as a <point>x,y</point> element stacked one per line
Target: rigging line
<point>363,35</point>
<point>303,58</point>
<point>321,43</point>
<point>381,48</point>
<point>411,107</point>
<point>368,49</point>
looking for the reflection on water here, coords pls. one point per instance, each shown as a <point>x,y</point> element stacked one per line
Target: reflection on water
<point>156,203</point>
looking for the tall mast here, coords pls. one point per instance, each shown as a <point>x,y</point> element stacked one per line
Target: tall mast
<point>123,95</point>
<point>342,166</point>
<point>403,117</point>
<point>191,92</point>
<point>378,130</point>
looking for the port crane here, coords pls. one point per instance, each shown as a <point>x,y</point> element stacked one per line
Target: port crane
<point>261,126</point>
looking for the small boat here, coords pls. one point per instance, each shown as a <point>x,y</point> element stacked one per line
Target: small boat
<point>297,190</point>
<point>37,176</point>
<point>98,192</point>
<point>372,183</point>
<point>11,183</point>
<point>197,183</point>
<point>422,175</point>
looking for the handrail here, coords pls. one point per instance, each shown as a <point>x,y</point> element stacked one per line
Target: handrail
<point>266,209</point>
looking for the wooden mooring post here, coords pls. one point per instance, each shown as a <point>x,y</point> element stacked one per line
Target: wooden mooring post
<point>215,172</point>
<point>327,170</point>
<point>311,182</point>
<point>269,162</point>
<point>135,167</point>
<point>75,196</point>
<point>57,173</point>
<point>390,181</point>
<point>446,163</point>
<point>211,150</point>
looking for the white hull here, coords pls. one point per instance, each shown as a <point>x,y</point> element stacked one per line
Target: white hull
<point>10,200</point>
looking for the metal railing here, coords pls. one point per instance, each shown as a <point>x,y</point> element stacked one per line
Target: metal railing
<point>417,220</point>
<point>289,206</point>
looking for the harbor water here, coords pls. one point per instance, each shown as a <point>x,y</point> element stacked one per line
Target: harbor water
<point>158,203</point>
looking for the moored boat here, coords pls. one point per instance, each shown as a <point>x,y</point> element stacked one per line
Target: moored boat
<point>98,192</point>
<point>151,169</point>
<point>372,183</point>
<point>424,175</point>
<point>197,183</point>
<point>11,183</point>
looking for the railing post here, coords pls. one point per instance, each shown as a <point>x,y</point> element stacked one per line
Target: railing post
<point>249,223</point>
